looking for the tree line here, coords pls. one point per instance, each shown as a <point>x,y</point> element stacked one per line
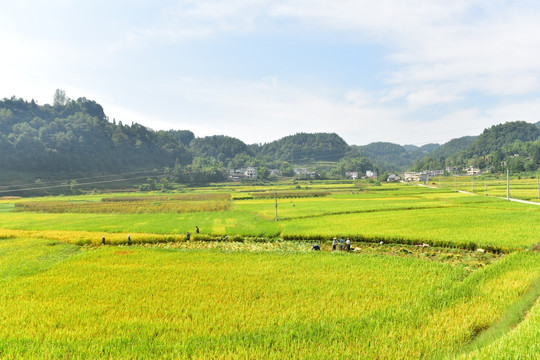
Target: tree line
<point>74,138</point>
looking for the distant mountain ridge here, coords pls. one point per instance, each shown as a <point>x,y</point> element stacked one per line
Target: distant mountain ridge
<point>75,137</point>
<point>389,156</point>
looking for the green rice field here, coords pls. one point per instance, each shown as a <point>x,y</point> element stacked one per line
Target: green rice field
<point>434,274</point>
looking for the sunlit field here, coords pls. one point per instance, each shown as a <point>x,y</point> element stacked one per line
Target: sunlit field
<point>393,213</point>
<point>433,274</point>
<point>524,188</point>
<point>141,302</point>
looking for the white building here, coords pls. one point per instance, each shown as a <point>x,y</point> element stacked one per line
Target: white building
<point>251,173</point>
<point>473,171</point>
<point>371,174</point>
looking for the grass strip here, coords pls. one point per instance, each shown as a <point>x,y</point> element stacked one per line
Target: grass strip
<point>513,316</point>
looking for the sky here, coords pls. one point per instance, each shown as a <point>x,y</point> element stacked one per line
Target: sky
<point>402,71</point>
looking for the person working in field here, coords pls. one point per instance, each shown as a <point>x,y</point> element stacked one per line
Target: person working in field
<point>348,244</point>
<point>334,244</point>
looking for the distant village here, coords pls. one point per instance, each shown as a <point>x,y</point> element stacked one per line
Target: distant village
<point>250,174</point>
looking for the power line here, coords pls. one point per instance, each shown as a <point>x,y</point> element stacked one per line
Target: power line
<point>78,184</point>
<point>83,178</point>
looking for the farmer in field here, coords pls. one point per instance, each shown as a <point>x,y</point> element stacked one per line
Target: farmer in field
<point>188,235</point>
<point>196,229</point>
<point>334,244</point>
<point>348,244</point>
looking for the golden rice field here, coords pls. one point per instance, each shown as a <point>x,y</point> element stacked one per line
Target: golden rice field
<point>404,214</point>
<point>146,302</point>
<point>238,291</point>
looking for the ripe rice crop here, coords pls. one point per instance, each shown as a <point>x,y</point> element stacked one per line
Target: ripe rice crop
<point>138,302</point>
<point>510,228</point>
<point>289,194</point>
<point>183,197</point>
<point>520,343</point>
<point>406,214</point>
<point>92,238</point>
<point>124,207</point>
<point>10,197</point>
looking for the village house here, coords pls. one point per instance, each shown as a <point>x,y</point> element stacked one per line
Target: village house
<point>251,173</point>
<point>473,171</point>
<point>371,174</point>
<point>422,176</point>
<point>240,174</point>
<point>305,172</point>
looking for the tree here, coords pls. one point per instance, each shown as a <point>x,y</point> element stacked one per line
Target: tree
<point>286,169</point>
<point>263,172</point>
<point>60,98</point>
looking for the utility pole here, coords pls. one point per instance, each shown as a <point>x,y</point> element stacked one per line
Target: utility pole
<point>455,183</point>
<point>276,204</point>
<point>485,187</point>
<point>538,186</point>
<point>507,184</point>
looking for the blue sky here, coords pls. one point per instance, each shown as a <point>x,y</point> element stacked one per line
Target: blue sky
<point>409,72</point>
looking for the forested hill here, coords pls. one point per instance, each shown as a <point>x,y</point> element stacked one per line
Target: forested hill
<point>393,157</point>
<point>75,136</point>
<point>516,144</point>
<point>498,136</point>
<point>437,159</point>
<point>304,147</point>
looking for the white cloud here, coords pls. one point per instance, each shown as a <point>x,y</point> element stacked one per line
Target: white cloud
<point>430,96</point>
<point>438,53</point>
<point>525,111</point>
<point>468,43</point>
<point>265,110</point>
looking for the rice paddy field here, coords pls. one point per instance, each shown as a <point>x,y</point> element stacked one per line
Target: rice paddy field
<point>434,274</point>
<point>523,188</point>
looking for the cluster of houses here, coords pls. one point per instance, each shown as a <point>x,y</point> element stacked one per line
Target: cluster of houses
<point>354,175</point>
<point>250,173</point>
<point>426,175</point>
<point>422,175</point>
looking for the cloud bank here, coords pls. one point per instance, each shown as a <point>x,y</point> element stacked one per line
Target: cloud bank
<point>260,70</point>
